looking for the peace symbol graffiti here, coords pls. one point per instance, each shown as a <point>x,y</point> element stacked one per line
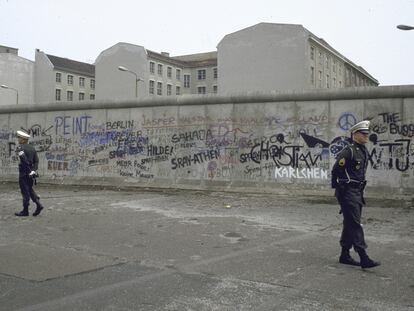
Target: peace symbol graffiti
<point>346,121</point>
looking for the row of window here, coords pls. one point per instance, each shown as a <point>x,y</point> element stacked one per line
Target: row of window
<point>202,89</point>
<point>160,70</point>
<point>69,96</point>
<point>201,74</point>
<point>328,81</point>
<point>354,79</point>
<point>336,66</point>
<point>70,79</point>
<point>351,78</point>
<point>159,89</point>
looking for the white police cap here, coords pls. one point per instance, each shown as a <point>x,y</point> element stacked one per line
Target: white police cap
<point>360,126</point>
<point>23,134</point>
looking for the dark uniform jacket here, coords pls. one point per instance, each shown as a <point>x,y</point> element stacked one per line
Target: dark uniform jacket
<point>350,167</point>
<point>29,161</point>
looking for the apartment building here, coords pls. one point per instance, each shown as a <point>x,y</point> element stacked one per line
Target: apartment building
<point>153,74</point>
<point>60,79</point>
<point>269,57</point>
<point>264,57</point>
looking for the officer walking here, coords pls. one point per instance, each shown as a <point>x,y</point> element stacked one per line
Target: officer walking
<point>348,179</point>
<point>28,166</point>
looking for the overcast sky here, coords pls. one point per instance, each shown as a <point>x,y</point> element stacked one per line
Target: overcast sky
<point>361,30</point>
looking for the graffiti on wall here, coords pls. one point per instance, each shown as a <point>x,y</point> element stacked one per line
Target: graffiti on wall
<point>273,148</point>
<point>392,147</point>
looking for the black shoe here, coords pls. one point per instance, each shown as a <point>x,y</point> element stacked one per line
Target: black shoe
<point>348,261</point>
<point>38,210</point>
<point>22,214</point>
<point>369,263</point>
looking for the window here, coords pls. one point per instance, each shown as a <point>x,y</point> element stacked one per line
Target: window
<point>169,89</point>
<point>160,69</point>
<point>178,74</point>
<point>58,77</point>
<point>151,87</point>
<point>177,90</point>
<point>152,67</point>
<point>201,90</point>
<point>92,97</point>
<point>320,57</point>
<point>215,89</point>
<point>69,96</point>
<point>186,81</point>
<point>169,72</point>
<point>312,53</point>
<point>70,80</point>
<point>202,74</point>
<point>81,82</point>
<point>327,82</point>
<point>334,66</point>
<point>327,61</point>
<point>312,77</point>
<point>58,94</point>
<point>334,82</point>
<point>159,88</point>
<point>215,73</point>
<point>81,96</point>
<point>320,78</point>
<point>92,84</point>
<point>347,77</point>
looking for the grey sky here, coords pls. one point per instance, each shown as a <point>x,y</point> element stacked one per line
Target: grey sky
<point>363,31</point>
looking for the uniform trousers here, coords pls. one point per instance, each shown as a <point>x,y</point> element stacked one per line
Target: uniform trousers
<point>26,188</point>
<point>350,200</point>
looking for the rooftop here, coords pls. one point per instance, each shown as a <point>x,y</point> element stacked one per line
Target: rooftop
<point>73,66</point>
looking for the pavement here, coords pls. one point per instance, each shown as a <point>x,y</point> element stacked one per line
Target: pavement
<point>141,249</point>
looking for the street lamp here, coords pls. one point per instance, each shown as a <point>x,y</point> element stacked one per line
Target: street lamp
<point>405,27</point>
<point>122,68</point>
<point>17,92</point>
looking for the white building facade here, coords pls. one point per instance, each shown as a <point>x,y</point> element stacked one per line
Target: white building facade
<point>280,57</point>
<point>60,79</point>
<point>265,57</point>
<point>152,74</point>
<point>17,74</point>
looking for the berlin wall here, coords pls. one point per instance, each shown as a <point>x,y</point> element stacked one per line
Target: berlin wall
<point>261,142</point>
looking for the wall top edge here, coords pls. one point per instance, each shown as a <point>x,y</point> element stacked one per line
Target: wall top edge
<point>394,91</point>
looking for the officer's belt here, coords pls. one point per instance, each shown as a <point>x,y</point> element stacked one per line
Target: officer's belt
<point>352,183</point>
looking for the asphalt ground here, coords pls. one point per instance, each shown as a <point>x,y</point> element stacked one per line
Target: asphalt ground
<point>113,249</point>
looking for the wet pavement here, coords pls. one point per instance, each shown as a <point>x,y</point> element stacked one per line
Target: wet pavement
<point>112,249</point>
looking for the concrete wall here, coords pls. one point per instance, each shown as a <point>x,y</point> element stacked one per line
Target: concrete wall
<point>265,142</point>
<point>16,72</point>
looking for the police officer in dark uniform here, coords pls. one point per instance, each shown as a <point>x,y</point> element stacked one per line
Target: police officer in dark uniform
<point>28,166</point>
<point>348,179</point>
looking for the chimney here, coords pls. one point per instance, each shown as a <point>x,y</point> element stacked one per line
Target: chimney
<point>165,54</point>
